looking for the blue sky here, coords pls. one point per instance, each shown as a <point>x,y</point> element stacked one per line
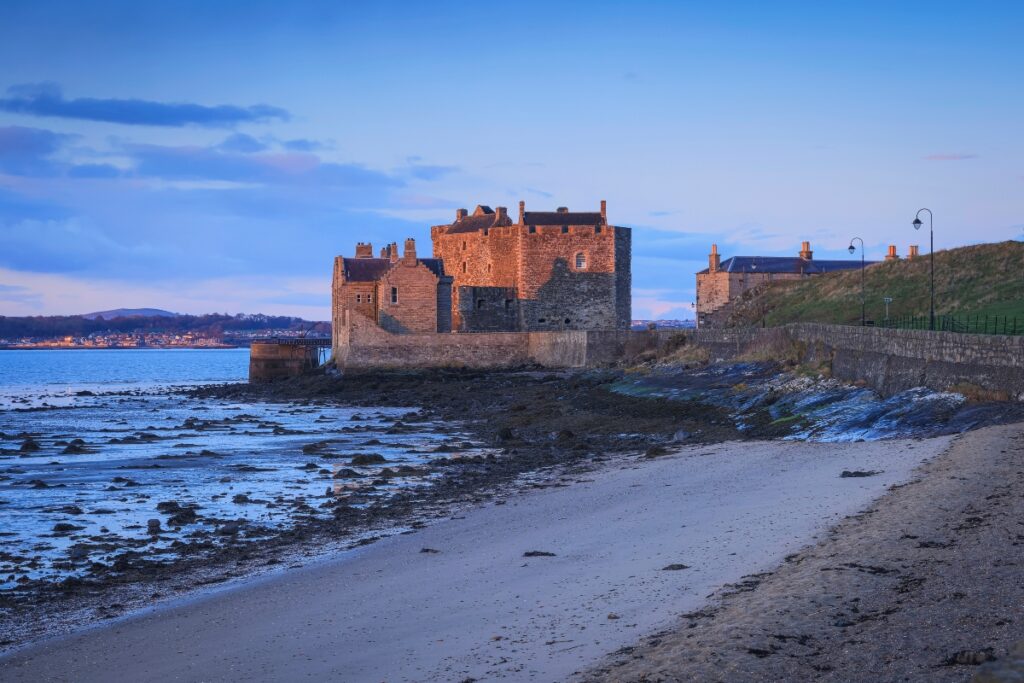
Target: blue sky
<point>202,156</point>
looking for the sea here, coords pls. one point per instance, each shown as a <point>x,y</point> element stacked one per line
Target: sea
<point>104,456</point>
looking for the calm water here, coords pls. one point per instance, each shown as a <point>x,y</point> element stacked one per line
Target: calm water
<point>92,442</point>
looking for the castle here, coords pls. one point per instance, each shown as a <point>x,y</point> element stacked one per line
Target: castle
<point>722,282</point>
<point>548,271</point>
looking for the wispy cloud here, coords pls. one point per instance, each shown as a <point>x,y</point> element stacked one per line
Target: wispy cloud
<point>46,99</point>
<point>950,157</point>
<point>28,151</point>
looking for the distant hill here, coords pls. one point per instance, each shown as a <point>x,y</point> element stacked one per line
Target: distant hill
<point>215,325</point>
<point>980,280</point>
<point>129,313</point>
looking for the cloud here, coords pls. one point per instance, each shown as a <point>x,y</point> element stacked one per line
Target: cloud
<point>950,157</point>
<point>46,99</point>
<point>20,295</point>
<point>94,171</point>
<point>240,142</point>
<point>206,163</point>
<point>428,171</point>
<point>27,151</point>
<point>303,145</point>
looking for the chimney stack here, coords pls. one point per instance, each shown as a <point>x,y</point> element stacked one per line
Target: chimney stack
<point>393,252</point>
<point>805,251</point>
<point>563,209</point>
<point>409,256</point>
<point>604,212</point>
<point>912,254</point>
<point>522,212</point>
<point>364,250</point>
<point>460,214</point>
<point>892,255</point>
<point>714,260</point>
<point>501,214</point>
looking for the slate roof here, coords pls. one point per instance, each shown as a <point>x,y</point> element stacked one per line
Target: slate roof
<point>483,217</point>
<point>785,264</point>
<point>371,269</point>
<point>562,218</point>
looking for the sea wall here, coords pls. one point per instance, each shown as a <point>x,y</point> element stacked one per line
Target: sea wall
<point>887,360</point>
<point>364,345</point>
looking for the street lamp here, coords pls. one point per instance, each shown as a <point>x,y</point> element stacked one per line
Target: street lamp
<point>931,248</point>
<point>852,250</point>
<point>887,300</point>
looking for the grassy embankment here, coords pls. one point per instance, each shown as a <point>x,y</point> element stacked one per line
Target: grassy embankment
<point>986,279</point>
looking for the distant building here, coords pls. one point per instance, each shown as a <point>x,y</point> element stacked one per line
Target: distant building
<point>722,282</point>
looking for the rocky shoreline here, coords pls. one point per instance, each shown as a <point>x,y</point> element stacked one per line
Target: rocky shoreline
<point>540,423</point>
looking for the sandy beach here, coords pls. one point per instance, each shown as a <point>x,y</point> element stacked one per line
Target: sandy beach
<point>536,587</point>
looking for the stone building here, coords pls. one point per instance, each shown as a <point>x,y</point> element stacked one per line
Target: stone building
<point>401,294</point>
<point>722,282</point>
<point>546,270</point>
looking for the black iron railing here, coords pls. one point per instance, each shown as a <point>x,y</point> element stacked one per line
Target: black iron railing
<point>967,324</point>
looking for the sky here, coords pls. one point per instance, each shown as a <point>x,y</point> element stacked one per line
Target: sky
<point>215,157</point>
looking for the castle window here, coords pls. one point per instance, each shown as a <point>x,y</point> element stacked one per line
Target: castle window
<point>566,321</point>
<point>542,320</point>
<point>463,245</point>
<point>597,229</point>
<point>581,261</point>
<point>463,266</point>
<point>508,304</point>
<point>369,298</point>
<point>533,229</point>
<point>359,298</point>
<point>479,304</point>
<point>565,229</point>
<point>488,267</point>
<point>394,295</point>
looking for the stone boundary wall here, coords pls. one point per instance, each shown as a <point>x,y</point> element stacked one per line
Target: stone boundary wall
<point>888,360</point>
<point>362,345</point>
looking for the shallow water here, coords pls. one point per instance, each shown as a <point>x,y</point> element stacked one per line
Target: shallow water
<point>66,504</point>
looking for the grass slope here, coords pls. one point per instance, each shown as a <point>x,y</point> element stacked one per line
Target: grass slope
<point>986,279</point>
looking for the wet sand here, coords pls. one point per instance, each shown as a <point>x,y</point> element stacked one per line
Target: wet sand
<point>632,546</point>
<point>925,586</point>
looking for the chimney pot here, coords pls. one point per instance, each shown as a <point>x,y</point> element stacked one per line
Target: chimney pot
<point>522,212</point>
<point>460,214</point>
<point>364,250</point>
<point>714,260</point>
<point>892,255</point>
<point>501,213</point>
<point>805,251</point>
<point>604,211</point>
<point>913,253</point>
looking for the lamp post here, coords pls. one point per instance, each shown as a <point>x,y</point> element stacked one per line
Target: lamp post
<point>887,300</point>
<point>852,250</point>
<point>931,250</point>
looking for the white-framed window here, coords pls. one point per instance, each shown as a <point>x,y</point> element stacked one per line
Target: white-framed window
<point>359,298</point>
<point>369,298</point>
<point>394,295</point>
<point>581,261</point>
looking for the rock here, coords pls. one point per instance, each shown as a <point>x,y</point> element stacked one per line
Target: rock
<point>66,528</point>
<point>230,528</point>
<point>970,657</point>
<point>346,473</point>
<point>538,553</point>
<point>84,392</point>
<point>656,451</point>
<point>681,435</point>
<point>674,567</point>
<point>73,449</point>
<point>858,473</point>
<point>364,459</point>
<point>240,499</point>
<point>29,445</point>
<point>613,615</point>
<point>506,434</point>
<point>429,550</point>
<point>153,526</point>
